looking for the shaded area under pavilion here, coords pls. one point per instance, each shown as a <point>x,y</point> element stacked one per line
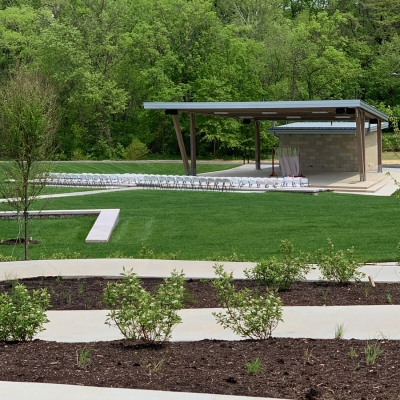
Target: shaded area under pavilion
<point>282,111</point>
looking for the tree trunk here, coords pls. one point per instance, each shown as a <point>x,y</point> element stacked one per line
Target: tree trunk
<point>26,244</point>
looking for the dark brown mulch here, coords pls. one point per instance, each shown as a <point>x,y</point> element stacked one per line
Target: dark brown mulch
<point>12,242</point>
<point>85,294</point>
<point>290,368</point>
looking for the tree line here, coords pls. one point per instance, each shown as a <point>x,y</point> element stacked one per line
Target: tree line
<point>104,58</point>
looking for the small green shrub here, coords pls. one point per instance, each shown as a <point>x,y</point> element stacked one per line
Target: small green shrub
<point>352,353</point>
<point>146,252</point>
<point>83,357</point>
<point>22,315</point>
<point>79,155</point>
<point>68,254</point>
<point>340,330</point>
<point>136,150</point>
<point>153,366</point>
<point>118,254</point>
<point>140,315</point>
<point>338,266</point>
<point>372,351</point>
<point>247,313</point>
<point>233,257</point>
<point>4,258</point>
<point>253,367</point>
<point>280,273</point>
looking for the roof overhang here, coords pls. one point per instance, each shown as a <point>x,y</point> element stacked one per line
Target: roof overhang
<point>323,128</point>
<point>314,110</point>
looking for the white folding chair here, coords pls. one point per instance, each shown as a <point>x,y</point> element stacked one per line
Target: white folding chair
<point>253,183</point>
<point>219,184</point>
<point>210,183</point>
<point>227,184</point>
<point>203,184</point>
<point>195,182</point>
<point>179,182</point>
<point>171,182</point>
<point>235,183</point>
<point>187,182</point>
<point>162,181</point>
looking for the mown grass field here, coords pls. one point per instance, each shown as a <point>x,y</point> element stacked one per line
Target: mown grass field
<point>197,225</point>
<point>115,167</point>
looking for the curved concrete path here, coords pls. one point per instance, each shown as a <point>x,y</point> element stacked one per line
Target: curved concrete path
<point>50,391</point>
<point>360,322</point>
<point>112,268</point>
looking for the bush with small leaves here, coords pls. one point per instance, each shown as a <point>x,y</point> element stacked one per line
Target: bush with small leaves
<point>22,315</point>
<point>280,273</point>
<point>4,258</point>
<point>137,150</point>
<point>338,266</point>
<point>247,312</point>
<point>140,315</point>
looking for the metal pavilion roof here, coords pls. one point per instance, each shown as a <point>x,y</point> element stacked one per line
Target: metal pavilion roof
<point>332,127</point>
<point>314,110</point>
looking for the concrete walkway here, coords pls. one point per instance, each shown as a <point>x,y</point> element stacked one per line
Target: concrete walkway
<point>359,322</point>
<point>101,231</point>
<point>362,322</point>
<point>49,391</point>
<point>112,268</point>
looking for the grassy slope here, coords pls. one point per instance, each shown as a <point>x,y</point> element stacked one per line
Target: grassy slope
<point>197,224</point>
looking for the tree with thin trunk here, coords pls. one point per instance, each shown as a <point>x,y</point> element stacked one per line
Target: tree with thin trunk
<point>28,122</point>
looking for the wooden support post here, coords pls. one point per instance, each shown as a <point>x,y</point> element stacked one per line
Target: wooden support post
<point>181,144</point>
<point>379,139</point>
<point>360,132</point>
<point>192,145</point>
<point>273,163</point>
<point>363,144</point>
<point>257,145</point>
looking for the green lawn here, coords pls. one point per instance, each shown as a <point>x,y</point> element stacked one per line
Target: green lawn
<point>195,225</point>
<point>65,189</point>
<point>167,168</point>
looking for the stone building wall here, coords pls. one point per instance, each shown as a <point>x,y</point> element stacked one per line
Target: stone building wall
<point>327,152</point>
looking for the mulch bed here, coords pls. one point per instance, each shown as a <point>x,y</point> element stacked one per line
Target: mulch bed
<point>13,242</point>
<point>86,294</point>
<point>290,368</point>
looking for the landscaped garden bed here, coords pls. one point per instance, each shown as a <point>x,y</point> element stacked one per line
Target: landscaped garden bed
<point>288,368</point>
<point>145,311</point>
<point>87,293</point>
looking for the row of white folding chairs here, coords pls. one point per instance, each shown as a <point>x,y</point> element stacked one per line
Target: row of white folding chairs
<point>182,182</point>
<point>217,183</point>
<point>95,180</point>
<point>173,181</point>
<point>274,182</point>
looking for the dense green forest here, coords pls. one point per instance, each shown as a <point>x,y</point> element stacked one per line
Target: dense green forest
<point>106,57</point>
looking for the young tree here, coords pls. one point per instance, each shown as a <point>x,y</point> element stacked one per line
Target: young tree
<point>28,121</point>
